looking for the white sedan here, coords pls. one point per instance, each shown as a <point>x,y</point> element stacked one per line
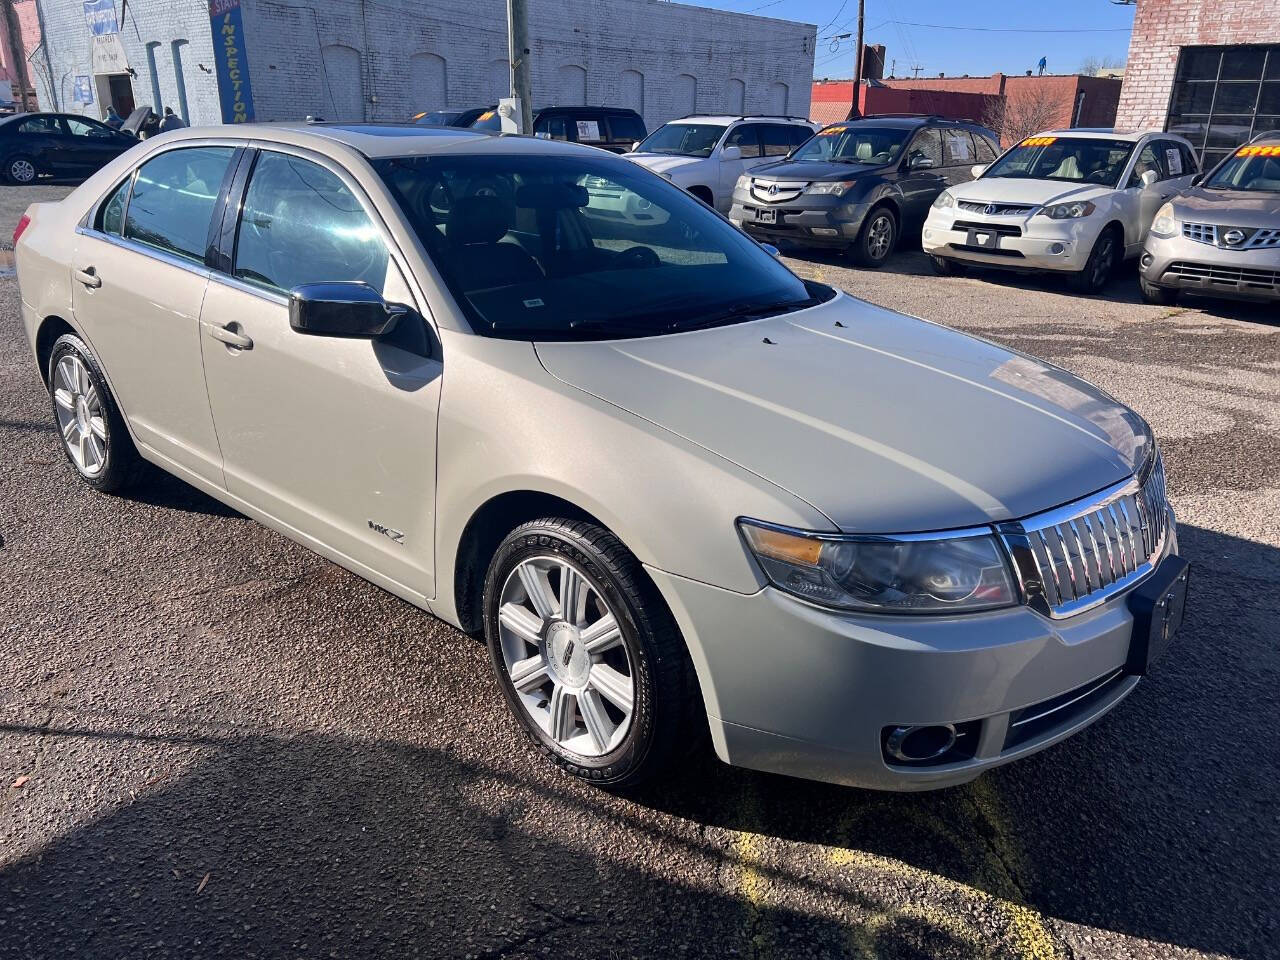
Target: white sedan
<point>1070,201</point>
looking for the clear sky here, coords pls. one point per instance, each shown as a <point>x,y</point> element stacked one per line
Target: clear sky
<point>1013,35</point>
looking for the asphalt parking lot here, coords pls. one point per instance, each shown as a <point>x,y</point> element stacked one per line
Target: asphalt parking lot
<point>222,745</point>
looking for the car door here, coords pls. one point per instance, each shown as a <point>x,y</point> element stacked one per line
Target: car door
<point>139,278</point>
<point>94,144</point>
<point>746,137</point>
<point>37,139</point>
<point>959,154</point>
<point>922,177</point>
<point>1140,201</point>
<point>331,437</point>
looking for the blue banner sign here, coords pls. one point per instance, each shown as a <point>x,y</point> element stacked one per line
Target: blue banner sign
<point>101,17</point>
<point>83,89</point>
<point>234,89</point>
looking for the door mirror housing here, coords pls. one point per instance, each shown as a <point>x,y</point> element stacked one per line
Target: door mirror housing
<point>635,145</point>
<point>771,250</point>
<point>1150,178</point>
<point>920,162</point>
<point>342,309</point>
<point>1197,179</point>
<point>977,170</point>
<point>731,153</point>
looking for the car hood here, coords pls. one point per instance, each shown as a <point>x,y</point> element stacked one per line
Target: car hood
<point>883,422</point>
<point>664,162</point>
<point>1235,208</point>
<point>809,170</point>
<point>1039,192</point>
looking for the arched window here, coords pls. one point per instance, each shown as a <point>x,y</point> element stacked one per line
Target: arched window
<point>737,97</point>
<point>428,82</point>
<point>345,81</point>
<point>685,95</point>
<point>631,91</point>
<point>571,85</point>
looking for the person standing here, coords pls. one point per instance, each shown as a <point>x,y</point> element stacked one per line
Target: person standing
<point>1044,62</point>
<point>113,119</point>
<point>171,121</point>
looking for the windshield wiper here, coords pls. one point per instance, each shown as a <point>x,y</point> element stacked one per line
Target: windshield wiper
<point>744,311</point>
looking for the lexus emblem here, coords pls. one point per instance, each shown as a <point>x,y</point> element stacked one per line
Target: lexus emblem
<point>1233,237</point>
<point>773,189</point>
<point>989,209</point>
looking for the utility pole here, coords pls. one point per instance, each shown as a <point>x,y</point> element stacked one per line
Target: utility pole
<point>915,71</point>
<point>893,66</point>
<point>16,55</point>
<point>518,50</point>
<point>855,110</point>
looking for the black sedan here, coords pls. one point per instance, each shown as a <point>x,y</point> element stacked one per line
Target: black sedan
<point>58,145</point>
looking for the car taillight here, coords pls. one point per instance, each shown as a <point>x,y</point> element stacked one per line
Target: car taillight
<point>23,223</point>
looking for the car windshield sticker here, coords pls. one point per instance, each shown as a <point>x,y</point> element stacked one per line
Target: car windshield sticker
<point>1037,141</point>
<point>588,130</point>
<point>535,302</point>
<point>832,131</point>
<point>1173,159</point>
<point>959,147</point>
<point>484,116</point>
<point>1258,152</point>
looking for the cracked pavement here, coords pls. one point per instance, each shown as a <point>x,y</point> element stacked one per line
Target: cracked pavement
<point>235,748</point>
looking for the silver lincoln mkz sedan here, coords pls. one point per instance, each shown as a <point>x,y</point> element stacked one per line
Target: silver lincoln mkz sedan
<point>543,394</point>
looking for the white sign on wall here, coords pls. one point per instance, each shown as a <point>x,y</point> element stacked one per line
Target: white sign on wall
<point>108,54</point>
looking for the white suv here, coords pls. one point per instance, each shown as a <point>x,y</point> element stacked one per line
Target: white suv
<point>1071,201</point>
<point>705,155</point>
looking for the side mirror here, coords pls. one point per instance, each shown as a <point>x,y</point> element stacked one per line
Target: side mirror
<point>771,250</point>
<point>977,170</point>
<point>920,162</point>
<point>1150,178</point>
<point>635,145</point>
<point>731,153</point>
<point>346,309</point>
<point>1197,179</point>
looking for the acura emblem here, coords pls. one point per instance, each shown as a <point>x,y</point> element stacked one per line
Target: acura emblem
<point>989,209</point>
<point>773,189</point>
<point>1233,237</point>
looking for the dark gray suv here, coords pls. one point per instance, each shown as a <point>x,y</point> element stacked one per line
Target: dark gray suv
<point>861,184</point>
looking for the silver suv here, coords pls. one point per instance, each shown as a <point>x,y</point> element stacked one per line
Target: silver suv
<point>1220,238</point>
<point>676,487</point>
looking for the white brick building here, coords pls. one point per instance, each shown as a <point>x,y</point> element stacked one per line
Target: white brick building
<point>388,59</point>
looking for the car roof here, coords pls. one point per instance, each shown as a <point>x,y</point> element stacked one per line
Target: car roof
<point>734,118</point>
<point>554,108</point>
<point>1106,133</point>
<point>376,140</point>
<point>901,120</point>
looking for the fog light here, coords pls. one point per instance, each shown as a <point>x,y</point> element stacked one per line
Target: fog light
<point>1146,260</point>
<point>1056,248</point>
<point>736,222</point>
<point>826,232</point>
<point>928,234</point>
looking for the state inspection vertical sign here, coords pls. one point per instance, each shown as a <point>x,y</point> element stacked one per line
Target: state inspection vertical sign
<point>234,89</point>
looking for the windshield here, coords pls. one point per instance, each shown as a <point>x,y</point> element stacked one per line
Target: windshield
<point>1070,159</point>
<point>438,118</point>
<point>854,144</point>
<point>1253,168</point>
<point>583,248</point>
<point>489,120</point>
<point>683,139</point>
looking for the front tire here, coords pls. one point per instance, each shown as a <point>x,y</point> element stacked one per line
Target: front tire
<point>1100,266</point>
<point>20,170</point>
<point>876,239</point>
<point>92,431</point>
<point>1155,294</point>
<point>586,652</point>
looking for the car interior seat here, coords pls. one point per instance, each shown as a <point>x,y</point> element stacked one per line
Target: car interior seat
<point>475,230</point>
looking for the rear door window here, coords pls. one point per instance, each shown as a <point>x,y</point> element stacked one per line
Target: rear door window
<point>746,137</point>
<point>987,149</point>
<point>1149,158</point>
<point>173,199</point>
<point>87,128</point>
<point>957,148</point>
<point>623,126</point>
<point>40,125</point>
<point>301,224</point>
<point>552,128</point>
<point>926,143</point>
<point>775,139</point>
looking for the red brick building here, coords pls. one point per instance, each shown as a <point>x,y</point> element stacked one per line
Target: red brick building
<point>1207,69</point>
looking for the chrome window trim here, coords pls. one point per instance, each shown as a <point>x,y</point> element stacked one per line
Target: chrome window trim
<point>146,250</point>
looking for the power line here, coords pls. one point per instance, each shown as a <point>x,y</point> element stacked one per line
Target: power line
<point>948,26</point>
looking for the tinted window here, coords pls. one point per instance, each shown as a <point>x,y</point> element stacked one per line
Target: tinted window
<point>799,134</point>
<point>623,126</point>
<point>86,128</point>
<point>957,148</point>
<point>301,224</point>
<point>988,150</point>
<point>926,143</point>
<point>111,216</point>
<point>776,139</point>
<point>746,137</point>
<point>40,125</point>
<point>581,247</point>
<point>173,199</point>
<point>552,128</point>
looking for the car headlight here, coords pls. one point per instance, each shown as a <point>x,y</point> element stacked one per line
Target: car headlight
<point>743,184</point>
<point>1069,211</point>
<point>944,200</point>
<point>1165,223</point>
<point>913,574</point>
<point>831,188</point>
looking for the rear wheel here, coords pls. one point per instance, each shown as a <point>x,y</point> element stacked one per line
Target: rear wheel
<point>1153,293</point>
<point>93,433</point>
<point>944,267</point>
<point>590,660</point>
<point>876,239</point>
<point>20,170</point>
<point>1101,264</point>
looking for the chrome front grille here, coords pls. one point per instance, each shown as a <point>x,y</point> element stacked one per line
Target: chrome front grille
<point>1077,556</point>
<point>776,191</point>
<point>1247,278</point>
<point>995,209</point>
<point>1251,238</point>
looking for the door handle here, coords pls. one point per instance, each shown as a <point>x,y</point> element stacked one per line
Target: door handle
<point>231,337</point>
<point>89,277</point>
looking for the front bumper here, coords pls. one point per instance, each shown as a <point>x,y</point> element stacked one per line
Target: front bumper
<point>1026,243</point>
<point>1207,270</point>
<point>807,221</point>
<point>794,689</point>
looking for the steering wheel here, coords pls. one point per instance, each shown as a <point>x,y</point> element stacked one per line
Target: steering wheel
<point>1099,176</point>
<point>634,258</point>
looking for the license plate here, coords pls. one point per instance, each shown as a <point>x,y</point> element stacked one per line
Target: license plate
<point>983,238</point>
<point>1157,606</point>
<point>767,216</point>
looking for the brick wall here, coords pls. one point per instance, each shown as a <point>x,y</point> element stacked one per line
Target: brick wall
<point>388,59</point>
<point>1162,27</point>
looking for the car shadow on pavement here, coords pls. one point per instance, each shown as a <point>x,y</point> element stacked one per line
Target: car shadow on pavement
<point>1158,821</point>
<point>161,489</point>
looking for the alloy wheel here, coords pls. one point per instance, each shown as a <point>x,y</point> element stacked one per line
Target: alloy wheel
<point>879,236</point>
<point>1102,264</point>
<point>80,416</point>
<point>566,656</point>
<point>23,171</point>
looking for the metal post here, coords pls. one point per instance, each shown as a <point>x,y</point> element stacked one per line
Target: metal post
<point>518,52</point>
<point>855,110</point>
<point>16,54</point>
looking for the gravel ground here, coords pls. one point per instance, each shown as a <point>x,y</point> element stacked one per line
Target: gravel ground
<point>230,747</point>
